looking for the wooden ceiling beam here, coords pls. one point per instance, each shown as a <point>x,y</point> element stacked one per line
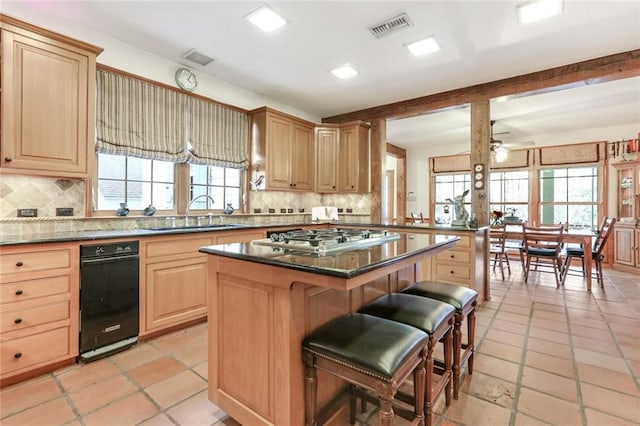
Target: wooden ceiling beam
<point>593,71</point>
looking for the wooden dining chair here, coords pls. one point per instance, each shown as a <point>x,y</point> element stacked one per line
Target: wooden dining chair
<point>515,244</point>
<point>497,250</point>
<point>417,218</point>
<point>542,247</point>
<point>597,252</point>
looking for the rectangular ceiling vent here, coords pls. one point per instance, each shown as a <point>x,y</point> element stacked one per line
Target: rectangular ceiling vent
<point>197,57</point>
<point>390,25</point>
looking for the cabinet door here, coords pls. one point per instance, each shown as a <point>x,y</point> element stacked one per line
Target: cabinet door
<point>626,190</point>
<point>326,156</point>
<point>624,248</point>
<point>278,153</point>
<point>45,97</point>
<point>636,247</point>
<point>353,173</point>
<point>302,157</point>
<point>176,292</point>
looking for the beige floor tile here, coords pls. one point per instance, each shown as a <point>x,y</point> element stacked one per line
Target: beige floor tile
<point>491,389</point>
<point>600,360</point>
<point>550,383</point>
<point>597,418</point>
<point>193,354</point>
<point>100,394</point>
<point>87,374</point>
<point>202,369</point>
<point>630,353</point>
<point>501,350</point>
<point>548,408</point>
<point>624,329</point>
<point>549,324</point>
<point>140,354</point>
<point>629,341</point>
<point>550,363</point>
<point>175,389</point>
<point>505,337</point>
<point>524,420</point>
<point>583,331</point>
<point>155,371</point>
<point>596,345</point>
<point>521,313</point>
<point>609,379</point>
<point>549,348</point>
<point>174,342</point>
<point>470,410</point>
<point>197,410</point>
<point>54,412</point>
<point>27,394</point>
<point>130,410</point>
<point>159,420</point>
<point>552,336</point>
<point>614,403</point>
<point>509,325</point>
<point>496,367</point>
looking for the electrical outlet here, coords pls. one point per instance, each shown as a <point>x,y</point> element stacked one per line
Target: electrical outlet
<point>27,212</point>
<point>64,211</point>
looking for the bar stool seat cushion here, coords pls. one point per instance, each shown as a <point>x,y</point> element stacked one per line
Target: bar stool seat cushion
<point>370,345</point>
<point>425,314</point>
<point>456,295</point>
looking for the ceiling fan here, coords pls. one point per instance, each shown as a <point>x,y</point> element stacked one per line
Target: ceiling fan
<point>499,148</point>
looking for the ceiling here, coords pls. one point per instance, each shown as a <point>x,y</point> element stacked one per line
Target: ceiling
<point>482,41</point>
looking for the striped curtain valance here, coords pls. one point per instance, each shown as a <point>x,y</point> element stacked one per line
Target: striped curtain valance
<point>140,119</point>
<point>219,136</point>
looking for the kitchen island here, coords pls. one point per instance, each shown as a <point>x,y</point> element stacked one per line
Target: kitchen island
<point>263,300</point>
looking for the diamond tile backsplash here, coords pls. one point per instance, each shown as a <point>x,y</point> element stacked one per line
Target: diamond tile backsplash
<point>47,194</point>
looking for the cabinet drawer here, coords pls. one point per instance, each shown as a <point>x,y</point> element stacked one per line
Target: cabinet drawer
<point>177,246</point>
<point>240,238</point>
<point>453,256</point>
<point>465,241</point>
<point>24,318</point>
<point>453,271</point>
<point>35,349</point>
<point>34,261</point>
<point>31,289</point>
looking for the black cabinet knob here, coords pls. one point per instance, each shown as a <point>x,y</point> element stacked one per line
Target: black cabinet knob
<point>19,263</point>
<point>8,159</point>
<point>17,355</point>
<point>18,320</point>
<point>18,292</point>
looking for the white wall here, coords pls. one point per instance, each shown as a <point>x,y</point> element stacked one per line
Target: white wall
<point>136,61</point>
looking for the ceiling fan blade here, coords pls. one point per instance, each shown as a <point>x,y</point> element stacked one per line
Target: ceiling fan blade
<point>501,133</point>
<point>518,144</point>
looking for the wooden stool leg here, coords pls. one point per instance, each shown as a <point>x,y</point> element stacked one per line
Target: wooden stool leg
<point>457,350</point>
<point>353,402</point>
<point>448,348</point>
<point>419,376</point>
<point>310,390</point>
<point>385,415</point>
<point>471,336</point>
<point>428,383</point>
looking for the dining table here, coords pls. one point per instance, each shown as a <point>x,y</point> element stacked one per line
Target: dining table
<point>583,237</point>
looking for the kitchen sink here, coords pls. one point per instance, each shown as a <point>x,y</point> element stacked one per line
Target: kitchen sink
<point>197,227</point>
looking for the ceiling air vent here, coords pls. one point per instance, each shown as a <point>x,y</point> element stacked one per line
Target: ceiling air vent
<point>390,25</point>
<point>197,57</point>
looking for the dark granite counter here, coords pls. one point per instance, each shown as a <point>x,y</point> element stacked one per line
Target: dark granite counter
<point>346,264</point>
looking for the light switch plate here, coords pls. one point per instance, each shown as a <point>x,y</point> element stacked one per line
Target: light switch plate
<point>27,212</point>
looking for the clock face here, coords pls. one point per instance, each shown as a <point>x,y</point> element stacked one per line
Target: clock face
<point>186,79</point>
<point>478,176</point>
<point>479,167</point>
<point>478,184</point>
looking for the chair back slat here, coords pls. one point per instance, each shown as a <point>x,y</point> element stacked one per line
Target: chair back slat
<point>543,237</point>
<point>603,235</point>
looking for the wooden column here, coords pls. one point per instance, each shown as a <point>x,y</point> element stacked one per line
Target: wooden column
<point>378,169</point>
<point>480,155</point>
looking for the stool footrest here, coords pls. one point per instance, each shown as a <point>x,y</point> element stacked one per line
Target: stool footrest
<point>402,397</point>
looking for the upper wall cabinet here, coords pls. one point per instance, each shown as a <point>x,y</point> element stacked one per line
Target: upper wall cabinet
<point>342,158</point>
<point>48,101</point>
<point>282,150</point>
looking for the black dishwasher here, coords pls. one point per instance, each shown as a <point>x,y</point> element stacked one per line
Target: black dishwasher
<point>109,298</point>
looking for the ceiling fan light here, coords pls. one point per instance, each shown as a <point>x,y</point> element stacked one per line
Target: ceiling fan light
<point>501,154</point>
<point>538,10</point>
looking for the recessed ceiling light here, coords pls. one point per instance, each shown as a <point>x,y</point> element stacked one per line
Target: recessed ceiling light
<point>538,10</point>
<point>424,46</point>
<point>345,71</point>
<point>266,19</point>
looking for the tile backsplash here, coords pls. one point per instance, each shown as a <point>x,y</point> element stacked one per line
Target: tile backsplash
<point>44,194</point>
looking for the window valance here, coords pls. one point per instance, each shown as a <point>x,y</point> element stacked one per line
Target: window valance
<point>140,119</point>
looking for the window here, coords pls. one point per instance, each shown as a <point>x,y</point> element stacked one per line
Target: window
<point>223,184</point>
<point>569,195</point>
<point>509,192</point>
<point>448,186</point>
<point>136,181</point>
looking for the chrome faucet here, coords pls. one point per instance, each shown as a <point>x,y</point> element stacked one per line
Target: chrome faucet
<point>186,214</point>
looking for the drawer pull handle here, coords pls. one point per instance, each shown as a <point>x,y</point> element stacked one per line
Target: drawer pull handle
<point>452,256</point>
<point>452,272</point>
<point>18,320</point>
<point>19,263</point>
<point>18,292</point>
<point>17,355</point>
<point>8,159</point>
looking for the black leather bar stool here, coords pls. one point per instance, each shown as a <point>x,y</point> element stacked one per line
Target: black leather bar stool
<point>464,300</point>
<point>367,351</point>
<point>434,318</point>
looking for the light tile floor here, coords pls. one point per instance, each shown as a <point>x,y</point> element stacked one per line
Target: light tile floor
<point>544,356</point>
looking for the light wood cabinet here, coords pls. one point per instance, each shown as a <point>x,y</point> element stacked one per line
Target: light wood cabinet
<point>48,97</point>
<point>39,308</point>
<point>282,148</point>
<point>342,158</point>
<point>627,247</point>
<point>628,189</point>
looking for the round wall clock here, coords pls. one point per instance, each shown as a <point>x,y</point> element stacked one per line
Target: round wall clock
<point>479,167</point>
<point>186,79</point>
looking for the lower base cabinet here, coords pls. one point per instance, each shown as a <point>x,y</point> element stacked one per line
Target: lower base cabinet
<point>627,248</point>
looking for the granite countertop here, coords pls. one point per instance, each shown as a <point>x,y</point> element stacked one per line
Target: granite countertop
<point>347,264</point>
<point>70,236</point>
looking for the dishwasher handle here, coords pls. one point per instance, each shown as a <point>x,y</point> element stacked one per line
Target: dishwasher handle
<point>108,259</point>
